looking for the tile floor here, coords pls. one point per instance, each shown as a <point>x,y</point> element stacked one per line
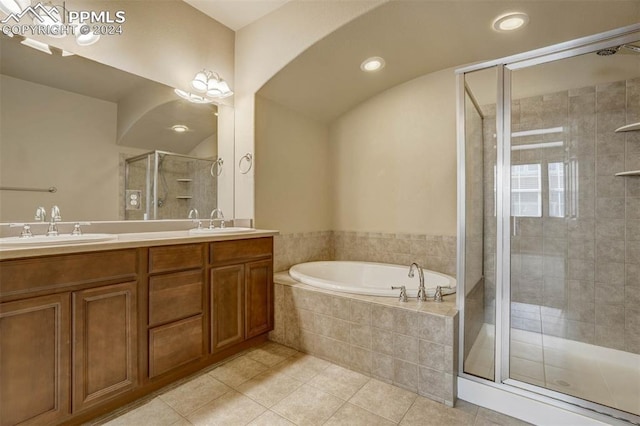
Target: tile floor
<point>275,385</point>
<point>606,376</point>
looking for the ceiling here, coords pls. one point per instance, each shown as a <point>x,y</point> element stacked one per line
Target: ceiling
<point>236,14</point>
<point>420,37</point>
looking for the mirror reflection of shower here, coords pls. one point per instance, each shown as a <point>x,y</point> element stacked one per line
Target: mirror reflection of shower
<point>165,185</point>
<point>162,190</point>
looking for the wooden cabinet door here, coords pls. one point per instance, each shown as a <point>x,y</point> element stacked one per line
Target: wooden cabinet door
<point>227,306</point>
<point>104,353</point>
<point>258,298</point>
<point>34,360</point>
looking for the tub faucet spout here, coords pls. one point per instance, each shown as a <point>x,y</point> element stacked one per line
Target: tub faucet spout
<point>422,292</point>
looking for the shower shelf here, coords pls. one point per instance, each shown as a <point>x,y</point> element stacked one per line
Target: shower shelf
<point>628,128</point>
<point>184,197</point>
<point>633,173</point>
<point>184,180</point>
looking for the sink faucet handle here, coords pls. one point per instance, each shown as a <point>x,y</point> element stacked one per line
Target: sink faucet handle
<point>403,292</point>
<point>76,227</point>
<point>193,214</point>
<point>216,214</point>
<point>41,214</point>
<point>55,214</point>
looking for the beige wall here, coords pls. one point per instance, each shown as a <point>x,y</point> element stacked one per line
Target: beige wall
<point>293,176</point>
<point>394,159</point>
<point>165,40</point>
<point>79,155</point>
<point>262,49</point>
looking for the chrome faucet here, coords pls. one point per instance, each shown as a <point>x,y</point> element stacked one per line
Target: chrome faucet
<point>422,292</point>
<point>193,214</point>
<point>216,214</point>
<point>55,217</point>
<point>41,214</point>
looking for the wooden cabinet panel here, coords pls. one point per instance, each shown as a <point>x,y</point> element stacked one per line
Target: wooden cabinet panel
<point>34,360</point>
<point>175,296</point>
<point>241,250</point>
<point>104,349</point>
<point>175,258</point>
<point>227,303</point>
<point>258,298</point>
<point>175,344</point>
<point>57,273</point>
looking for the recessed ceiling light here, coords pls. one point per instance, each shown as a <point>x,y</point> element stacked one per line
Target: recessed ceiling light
<point>179,128</point>
<point>510,21</point>
<point>372,64</point>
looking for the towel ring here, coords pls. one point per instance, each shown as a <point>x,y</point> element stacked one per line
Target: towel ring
<point>217,165</point>
<point>249,159</point>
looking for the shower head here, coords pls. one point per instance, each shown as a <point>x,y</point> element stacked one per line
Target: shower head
<point>615,49</point>
<point>608,51</point>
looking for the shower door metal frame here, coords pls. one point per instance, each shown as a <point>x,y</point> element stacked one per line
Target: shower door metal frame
<point>504,68</point>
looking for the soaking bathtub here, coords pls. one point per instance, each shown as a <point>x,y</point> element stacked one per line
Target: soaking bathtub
<point>367,278</point>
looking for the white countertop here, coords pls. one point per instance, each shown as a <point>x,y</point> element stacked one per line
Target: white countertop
<point>128,240</point>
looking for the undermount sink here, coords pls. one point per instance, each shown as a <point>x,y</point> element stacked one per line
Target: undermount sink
<point>43,240</point>
<point>214,231</point>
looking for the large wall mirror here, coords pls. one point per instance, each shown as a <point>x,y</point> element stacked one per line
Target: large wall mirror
<point>101,143</point>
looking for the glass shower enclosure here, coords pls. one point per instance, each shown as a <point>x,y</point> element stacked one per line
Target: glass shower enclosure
<point>165,185</point>
<point>549,223</point>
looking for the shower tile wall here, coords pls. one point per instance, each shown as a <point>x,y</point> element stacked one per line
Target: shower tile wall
<point>199,193</point>
<point>578,276</point>
<point>434,252</point>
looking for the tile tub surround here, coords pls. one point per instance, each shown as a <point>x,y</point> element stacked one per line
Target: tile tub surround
<point>292,248</point>
<point>411,345</point>
<point>434,252</point>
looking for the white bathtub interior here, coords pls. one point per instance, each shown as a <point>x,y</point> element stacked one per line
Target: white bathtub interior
<point>369,278</point>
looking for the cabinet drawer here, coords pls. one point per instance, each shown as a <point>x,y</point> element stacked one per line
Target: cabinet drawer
<point>56,273</point>
<point>175,258</point>
<point>175,344</point>
<point>175,296</point>
<point>238,250</point>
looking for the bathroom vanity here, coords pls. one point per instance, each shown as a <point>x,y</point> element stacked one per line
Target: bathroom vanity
<point>87,328</point>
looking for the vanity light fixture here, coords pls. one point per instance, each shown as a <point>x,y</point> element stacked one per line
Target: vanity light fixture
<point>211,84</point>
<point>38,45</point>
<point>180,128</point>
<point>51,18</point>
<point>374,63</point>
<point>510,21</point>
<point>192,97</point>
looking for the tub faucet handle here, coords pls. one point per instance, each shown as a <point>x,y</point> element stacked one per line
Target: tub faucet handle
<point>438,296</point>
<point>403,292</point>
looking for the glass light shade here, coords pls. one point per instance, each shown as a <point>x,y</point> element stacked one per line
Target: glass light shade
<point>35,44</point>
<point>196,99</point>
<point>200,82</point>
<point>87,39</point>
<point>224,87</point>
<point>13,6</point>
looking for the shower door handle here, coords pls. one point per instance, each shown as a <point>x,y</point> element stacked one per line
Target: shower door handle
<point>514,226</point>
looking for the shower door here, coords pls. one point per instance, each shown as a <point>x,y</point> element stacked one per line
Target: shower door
<point>563,322</point>
<point>572,330</point>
